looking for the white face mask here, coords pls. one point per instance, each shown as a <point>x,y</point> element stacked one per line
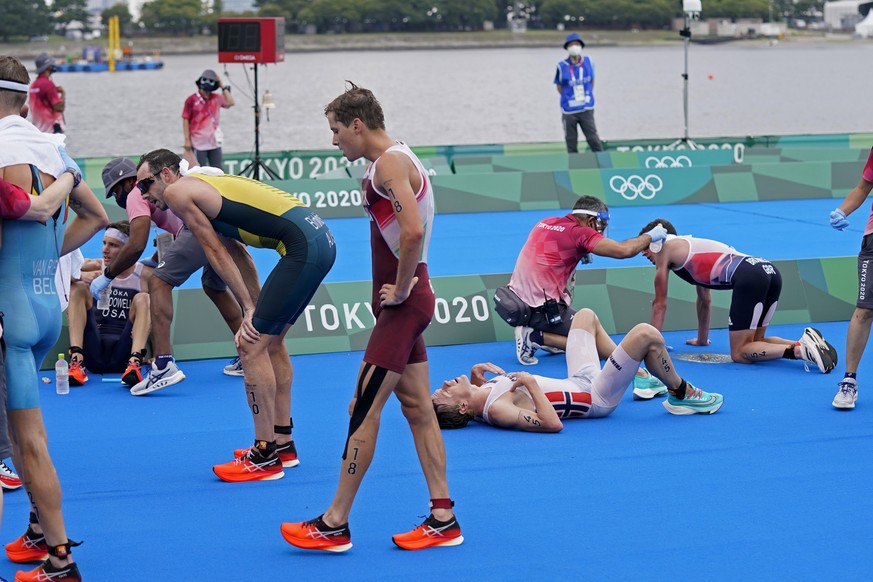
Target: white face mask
<point>574,50</point>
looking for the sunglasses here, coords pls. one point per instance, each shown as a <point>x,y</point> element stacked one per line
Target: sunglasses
<point>146,183</point>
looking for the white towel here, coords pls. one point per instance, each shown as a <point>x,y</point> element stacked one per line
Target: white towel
<point>22,143</point>
<point>205,170</point>
<point>69,267</point>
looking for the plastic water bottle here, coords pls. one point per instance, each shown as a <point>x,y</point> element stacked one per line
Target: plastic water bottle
<point>103,299</point>
<point>62,375</point>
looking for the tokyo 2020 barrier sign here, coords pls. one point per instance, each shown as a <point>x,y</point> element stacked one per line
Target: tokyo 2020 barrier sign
<point>339,318</point>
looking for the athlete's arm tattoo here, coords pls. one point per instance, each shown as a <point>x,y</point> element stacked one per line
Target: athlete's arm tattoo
<point>531,420</point>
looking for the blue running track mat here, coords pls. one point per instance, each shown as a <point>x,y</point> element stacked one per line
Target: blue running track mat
<point>775,486</point>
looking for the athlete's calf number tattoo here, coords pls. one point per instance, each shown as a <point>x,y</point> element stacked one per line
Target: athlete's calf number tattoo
<point>353,466</point>
<point>255,408</point>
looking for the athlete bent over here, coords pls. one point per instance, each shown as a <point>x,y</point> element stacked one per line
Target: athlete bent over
<point>399,200</point>
<point>755,285</point>
<point>262,216</point>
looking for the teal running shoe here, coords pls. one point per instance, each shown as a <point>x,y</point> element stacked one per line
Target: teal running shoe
<point>696,401</point>
<point>647,387</point>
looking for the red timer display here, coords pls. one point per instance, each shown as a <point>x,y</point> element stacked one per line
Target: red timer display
<point>251,40</point>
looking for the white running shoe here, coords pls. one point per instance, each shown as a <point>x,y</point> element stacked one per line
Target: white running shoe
<point>847,394</point>
<point>815,350</point>
<point>8,479</point>
<point>158,379</point>
<point>524,347</point>
<point>234,368</point>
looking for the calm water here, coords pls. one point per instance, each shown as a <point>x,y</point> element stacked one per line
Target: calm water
<point>486,95</point>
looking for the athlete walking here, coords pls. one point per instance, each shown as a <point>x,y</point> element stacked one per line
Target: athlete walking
<point>399,201</point>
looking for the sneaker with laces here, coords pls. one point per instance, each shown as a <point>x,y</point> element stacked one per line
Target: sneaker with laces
<point>696,401</point>
<point>647,387</point>
<point>253,466</point>
<point>77,373</point>
<point>524,347</point>
<point>815,350</point>
<point>287,454</point>
<point>234,368</point>
<point>432,533</point>
<point>48,572</point>
<point>158,379</point>
<point>29,547</point>
<point>8,479</point>
<point>847,394</point>
<point>317,535</point>
<point>133,374</point>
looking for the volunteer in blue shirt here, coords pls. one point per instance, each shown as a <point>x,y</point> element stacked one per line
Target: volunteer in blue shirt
<point>574,80</point>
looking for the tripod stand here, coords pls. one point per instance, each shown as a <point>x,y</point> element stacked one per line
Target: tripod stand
<point>685,140</point>
<point>254,167</point>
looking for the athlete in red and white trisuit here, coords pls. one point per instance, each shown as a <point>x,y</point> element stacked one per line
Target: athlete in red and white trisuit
<point>536,403</point>
<point>756,285</point>
<point>399,200</point>
<point>859,325</point>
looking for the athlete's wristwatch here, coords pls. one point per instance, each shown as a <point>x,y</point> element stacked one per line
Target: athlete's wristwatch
<point>77,177</point>
<point>106,273</point>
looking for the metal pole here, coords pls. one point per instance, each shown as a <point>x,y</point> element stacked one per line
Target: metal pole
<point>256,168</point>
<point>684,76</point>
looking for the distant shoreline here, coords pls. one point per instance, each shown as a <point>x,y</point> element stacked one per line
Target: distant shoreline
<point>152,46</point>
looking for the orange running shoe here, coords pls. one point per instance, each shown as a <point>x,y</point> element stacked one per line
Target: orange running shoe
<point>29,547</point>
<point>253,466</point>
<point>77,373</point>
<point>287,454</point>
<point>47,572</point>
<point>431,534</point>
<point>133,374</point>
<point>317,535</point>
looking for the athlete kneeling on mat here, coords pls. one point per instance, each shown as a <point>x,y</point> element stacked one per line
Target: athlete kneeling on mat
<point>756,285</point>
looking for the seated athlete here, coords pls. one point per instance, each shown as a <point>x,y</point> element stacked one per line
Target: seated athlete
<point>210,202</point>
<point>536,403</point>
<point>756,285</point>
<point>112,331</point>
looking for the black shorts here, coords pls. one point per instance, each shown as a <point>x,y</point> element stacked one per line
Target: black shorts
<point>865,262</point>
<point>756,290</point>
<point>106,353</point>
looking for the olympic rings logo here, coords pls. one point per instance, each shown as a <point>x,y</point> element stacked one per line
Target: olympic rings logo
<point>636,186</point>
<point>668,162</point>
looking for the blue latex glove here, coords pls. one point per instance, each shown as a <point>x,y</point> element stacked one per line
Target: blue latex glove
<point>71,164</point>
<point>838,220</point>
<point>658,233</point>
<point>98,285</point>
